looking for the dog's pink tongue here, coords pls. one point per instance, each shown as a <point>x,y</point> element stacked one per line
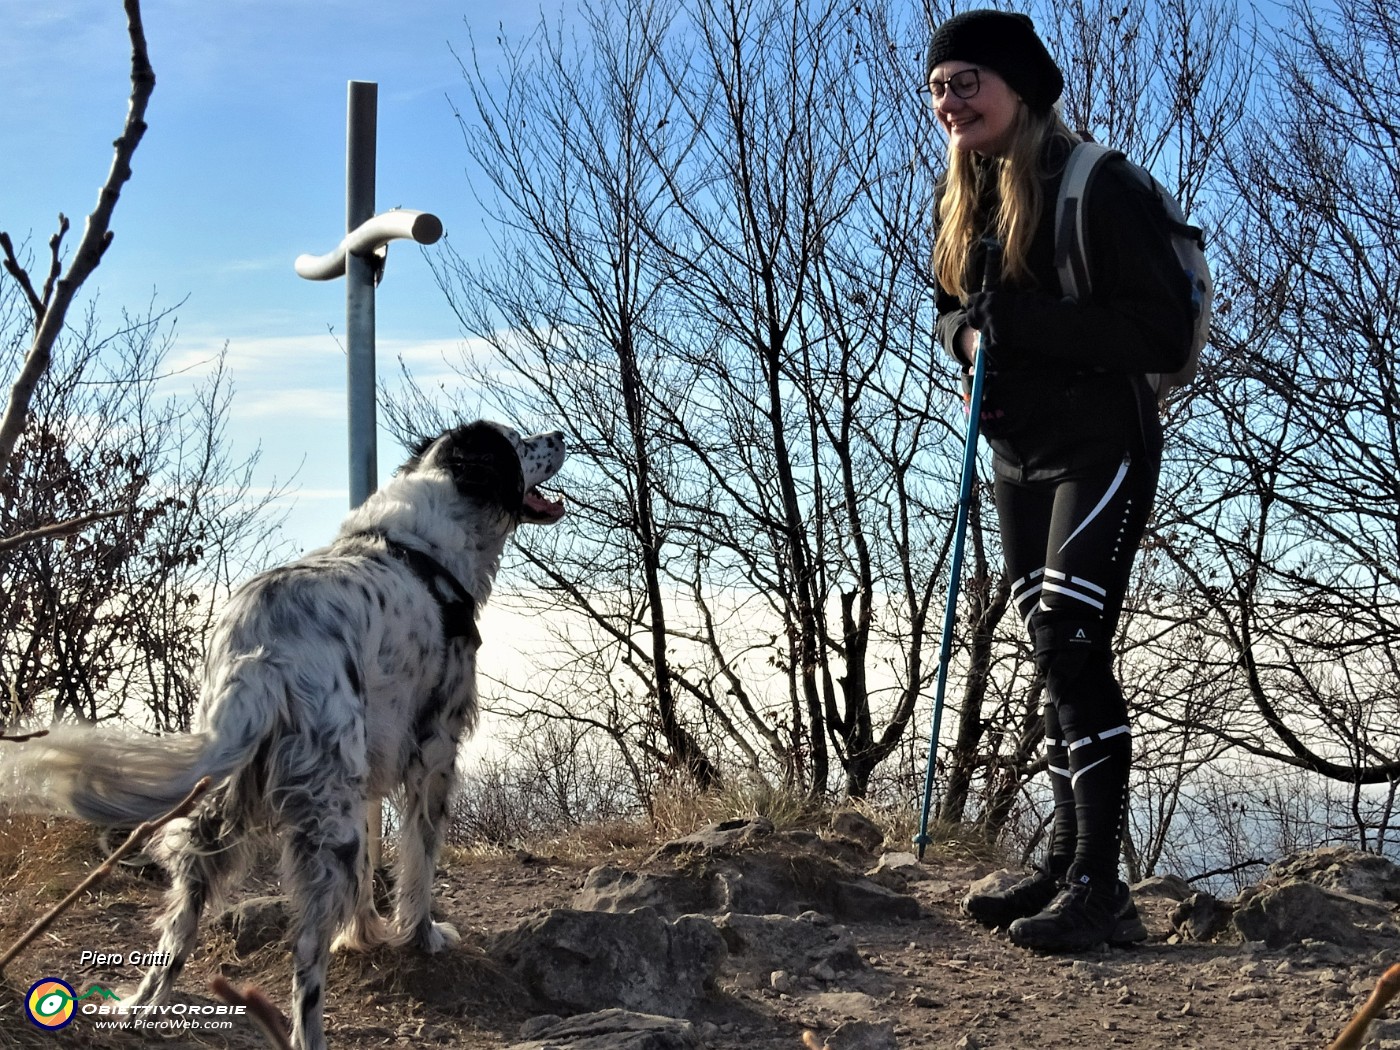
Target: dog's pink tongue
<point>548,508</point>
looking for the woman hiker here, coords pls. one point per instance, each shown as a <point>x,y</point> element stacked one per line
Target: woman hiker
<point>1072,423</point>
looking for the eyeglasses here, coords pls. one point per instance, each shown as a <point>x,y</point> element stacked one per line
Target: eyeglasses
<point>964,84</point>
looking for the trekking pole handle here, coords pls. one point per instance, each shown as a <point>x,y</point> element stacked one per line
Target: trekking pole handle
<point>991,281</point>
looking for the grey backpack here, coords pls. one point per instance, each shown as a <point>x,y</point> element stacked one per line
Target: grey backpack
<point>1187,241</point>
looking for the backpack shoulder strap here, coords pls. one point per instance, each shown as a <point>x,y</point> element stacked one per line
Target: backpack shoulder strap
<point>1071,260</point>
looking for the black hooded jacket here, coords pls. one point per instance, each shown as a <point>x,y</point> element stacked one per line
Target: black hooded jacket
<point>1065,386</point>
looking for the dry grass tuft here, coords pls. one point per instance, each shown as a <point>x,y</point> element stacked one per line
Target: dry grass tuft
<point>46,855</point>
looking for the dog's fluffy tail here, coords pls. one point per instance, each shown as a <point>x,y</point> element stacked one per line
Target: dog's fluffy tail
<point>100,775</point>
<point>111,777</point>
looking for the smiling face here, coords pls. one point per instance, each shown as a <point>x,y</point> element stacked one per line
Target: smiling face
<point>983,123</point>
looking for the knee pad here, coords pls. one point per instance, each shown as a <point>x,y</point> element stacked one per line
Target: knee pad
<point>1063,648</point>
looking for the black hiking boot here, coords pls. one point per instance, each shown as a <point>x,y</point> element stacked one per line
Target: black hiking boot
<point>1083,915</point>
<point>1027,897</point>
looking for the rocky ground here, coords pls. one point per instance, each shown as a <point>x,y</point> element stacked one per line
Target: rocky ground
<point>879,968</point>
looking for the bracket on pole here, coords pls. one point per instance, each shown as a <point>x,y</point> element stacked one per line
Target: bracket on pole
<point>371,237</point>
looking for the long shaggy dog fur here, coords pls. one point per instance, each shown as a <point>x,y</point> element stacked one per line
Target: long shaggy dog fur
<point>345,675</point>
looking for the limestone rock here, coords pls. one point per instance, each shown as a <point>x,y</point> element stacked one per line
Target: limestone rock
<point>1199,917</point>
<point>858,828</point>
<point>1345,870</point>
<point>801,946</point>
<point>609,1030</point>
<point>725,837</point>
<point>1295,911</point>
<point>637,960</point>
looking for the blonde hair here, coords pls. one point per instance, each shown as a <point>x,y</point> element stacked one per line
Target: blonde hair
<point>1018,192</point>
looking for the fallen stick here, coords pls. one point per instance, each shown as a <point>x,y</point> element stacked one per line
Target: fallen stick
<point>260,1008</point>
<point>136,838</point>
<point>1355,1031</point>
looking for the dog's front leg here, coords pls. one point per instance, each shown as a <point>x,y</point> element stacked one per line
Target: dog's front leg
<point>427,790</point>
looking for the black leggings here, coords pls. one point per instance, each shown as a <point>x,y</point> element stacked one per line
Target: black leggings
<point>1069,546</point>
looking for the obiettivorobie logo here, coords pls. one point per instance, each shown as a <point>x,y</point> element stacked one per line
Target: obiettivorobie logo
<point>52,1004</point>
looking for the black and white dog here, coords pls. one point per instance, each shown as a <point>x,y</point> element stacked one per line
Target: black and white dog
<point>347,674</point>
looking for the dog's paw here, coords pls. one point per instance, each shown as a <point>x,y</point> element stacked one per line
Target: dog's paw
<point>438,936</point>
<point>365,932</point>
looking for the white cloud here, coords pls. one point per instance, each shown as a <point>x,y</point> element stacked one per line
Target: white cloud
<point>294,403</point>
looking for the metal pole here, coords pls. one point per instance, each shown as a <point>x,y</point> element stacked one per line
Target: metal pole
<point>360,258</point>
<point>360,133</point>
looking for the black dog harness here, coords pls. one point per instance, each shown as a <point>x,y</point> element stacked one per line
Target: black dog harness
<point>458,612</point>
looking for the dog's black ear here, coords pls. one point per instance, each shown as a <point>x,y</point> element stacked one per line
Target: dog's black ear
<point>485,466</point>
<point>415,454</point>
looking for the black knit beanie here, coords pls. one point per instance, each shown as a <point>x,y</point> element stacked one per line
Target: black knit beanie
<point>1005,43</point>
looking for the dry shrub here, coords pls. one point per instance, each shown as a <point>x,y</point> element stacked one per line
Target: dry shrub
<point>678,809</point>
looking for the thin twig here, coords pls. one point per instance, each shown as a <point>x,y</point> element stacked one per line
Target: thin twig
<point>260,1008</point>
<point>59,528</point>
<point>1355,1032</point>
<point>55,258</point>
<point>21,276</point>
<point>141,833</point>
<point>1231,870</point>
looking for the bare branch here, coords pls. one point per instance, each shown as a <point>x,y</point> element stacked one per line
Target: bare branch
<point>60,291</point>
<point>22,737</point>
<point>21,276</point>
<point>60,528</point>
<point>1386,989</point>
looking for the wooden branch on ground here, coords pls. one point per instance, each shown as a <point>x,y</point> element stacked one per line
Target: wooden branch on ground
<point>138,837</point>
<point>22,737</point>
<point>1355,1032</point>
<point>268,1018</point>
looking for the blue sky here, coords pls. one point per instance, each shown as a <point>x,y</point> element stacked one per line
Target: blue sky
<point>241,170</point>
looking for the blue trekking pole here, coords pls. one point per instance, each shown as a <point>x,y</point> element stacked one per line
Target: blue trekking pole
<point>991,277</point>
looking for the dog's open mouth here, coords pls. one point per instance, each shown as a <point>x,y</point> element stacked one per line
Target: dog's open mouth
<point>541,509</point>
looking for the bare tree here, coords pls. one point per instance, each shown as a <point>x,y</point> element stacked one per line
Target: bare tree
<point>711,270</point>
<point>1294,560</point>
<point>50,303</point>
<point>121,517</point>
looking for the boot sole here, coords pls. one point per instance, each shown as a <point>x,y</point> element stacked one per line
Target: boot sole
<point>1127,931</point>
<point>997,914</point>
